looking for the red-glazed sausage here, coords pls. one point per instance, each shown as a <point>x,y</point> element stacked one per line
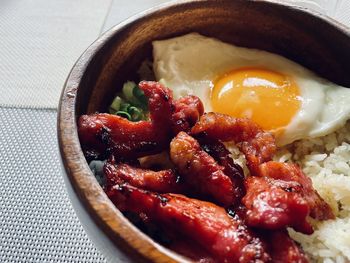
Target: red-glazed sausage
<point>200,171</point>
<point>187,112</point>
<point>104,134</point>
<point>257,145</point>
<point>275,204</point>
<point>283,249</point>
<point>218,151</point>
<point>319,209</point>
<point>164,181</point>
<point>224,237</point>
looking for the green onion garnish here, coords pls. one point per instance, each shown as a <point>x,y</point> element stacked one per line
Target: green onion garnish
<point>124,106</point>
<point>128,89</point>
<point>140,95</point>
<point>136,114</point>
<point>124,114</point>
<point>115,106</point>
<point>131,103</point>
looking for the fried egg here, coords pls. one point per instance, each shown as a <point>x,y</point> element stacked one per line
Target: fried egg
<point>278,94</point>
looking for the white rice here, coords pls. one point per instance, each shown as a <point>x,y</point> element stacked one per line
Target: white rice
<point>327,161</point>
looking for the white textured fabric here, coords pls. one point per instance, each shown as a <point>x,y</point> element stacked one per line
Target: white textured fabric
<point>342,12</point>
<point>122,9</point>
<point>40,41</point>
<point>337,9</point>
<point>37,222</point>
<point>327,7</point>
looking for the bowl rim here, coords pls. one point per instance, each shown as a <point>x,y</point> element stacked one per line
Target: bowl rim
<point>114,225</point>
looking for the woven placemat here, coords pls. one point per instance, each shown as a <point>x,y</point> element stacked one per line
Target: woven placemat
<point>37,221</point>
<point>40,42</point>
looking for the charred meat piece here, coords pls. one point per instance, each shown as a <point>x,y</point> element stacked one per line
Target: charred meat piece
<point>257,145</point>
<point>187,112</point>
<point>165,181</point>
<point>125,139</point>
<point>319,209</point>
<point>226,238</point>
<point>104,134</point>
<point>275,204</point>
<point>171,116</point>
<point>200,171</point>
<point>160,104</point>
<point>219,152</point>
<point>111,134</point>
<point>283,249</point>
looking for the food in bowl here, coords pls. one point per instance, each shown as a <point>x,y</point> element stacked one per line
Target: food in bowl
<point>276,93</point>
<point>194,198</point>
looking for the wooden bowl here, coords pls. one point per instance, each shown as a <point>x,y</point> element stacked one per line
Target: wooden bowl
<point>314,41</point>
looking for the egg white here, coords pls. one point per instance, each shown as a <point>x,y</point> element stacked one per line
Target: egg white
<point>188,65</point>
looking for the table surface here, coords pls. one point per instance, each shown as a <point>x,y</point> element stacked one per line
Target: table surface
<point>37,222</point>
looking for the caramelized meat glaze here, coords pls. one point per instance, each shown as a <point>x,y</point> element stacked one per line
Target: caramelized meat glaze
<point>204,207</point>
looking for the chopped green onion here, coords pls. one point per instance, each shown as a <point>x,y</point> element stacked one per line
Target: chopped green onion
<point>115,106</point>
<point>136,114</point>
<point>137,92</point>
<point>124,115</point>
<point>134,95</point>
<point>131,103</point>
<point>128,89</point>
<point>124,107</point>
<point>140,96</point>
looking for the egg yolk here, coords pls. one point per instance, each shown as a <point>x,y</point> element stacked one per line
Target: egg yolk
<point>269,98</point>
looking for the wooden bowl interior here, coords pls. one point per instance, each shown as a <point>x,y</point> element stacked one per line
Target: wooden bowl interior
<point>287,31</point>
